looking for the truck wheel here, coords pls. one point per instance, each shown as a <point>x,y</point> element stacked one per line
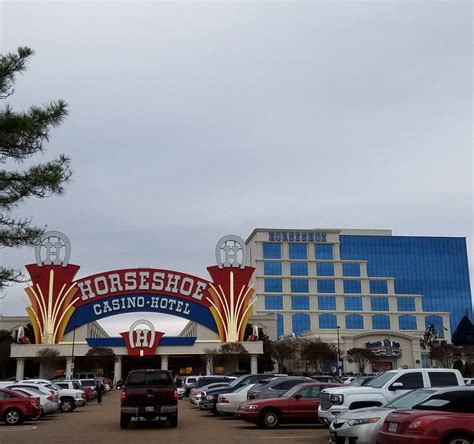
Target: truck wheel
<point>124,421</point>
<point>173,420</point>
<point>67,405</point>
<point>13,417</point>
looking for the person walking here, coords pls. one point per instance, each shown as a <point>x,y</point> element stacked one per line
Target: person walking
<point>99,387</point>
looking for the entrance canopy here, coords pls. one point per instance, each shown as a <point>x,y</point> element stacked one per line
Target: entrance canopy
<point>60,304</point>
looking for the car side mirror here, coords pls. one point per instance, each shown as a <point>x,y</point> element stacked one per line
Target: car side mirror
<point>396,386</point>
<point>298,396</point>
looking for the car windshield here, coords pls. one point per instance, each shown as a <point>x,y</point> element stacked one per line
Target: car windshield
<point>410,399</point>
<point>291,391</point>
<point>244,387</point>
<point>238,380</point>
<point>381,380</point>
<point>357,382</point>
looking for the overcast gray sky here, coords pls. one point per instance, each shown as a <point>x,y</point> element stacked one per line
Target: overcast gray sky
<point>189,121</point>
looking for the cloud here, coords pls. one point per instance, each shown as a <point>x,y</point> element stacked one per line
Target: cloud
<point>189,121</point>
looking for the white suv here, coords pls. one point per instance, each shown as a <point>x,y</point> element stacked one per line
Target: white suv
<point>383,389</point>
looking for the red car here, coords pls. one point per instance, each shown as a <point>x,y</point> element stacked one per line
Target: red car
<point>17,407</point>
<point>297,405</point>
<point>428,427</point>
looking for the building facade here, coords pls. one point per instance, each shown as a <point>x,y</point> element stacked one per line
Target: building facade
<point>366,287</point>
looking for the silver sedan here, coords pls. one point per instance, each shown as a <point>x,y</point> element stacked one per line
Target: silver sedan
<point>363,425</point>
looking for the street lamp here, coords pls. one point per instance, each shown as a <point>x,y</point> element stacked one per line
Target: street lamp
<point>339,366</point>
<point>72,357</point>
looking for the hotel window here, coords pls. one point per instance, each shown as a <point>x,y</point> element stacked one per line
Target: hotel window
<point>352,286</point>
<point>327,321</point>
<point>379,304</point>
<point>273,302</point>
<point>354,321</point>
<point>437,321</point>
<point>273,285</point>
<point>325,269</point>
<point>406,304</point>
<point>297,251</point>
<point>280,326</point>
<point>272,268</point>
<point>326,302</point>
<point>299,286</point>
<point>300,323</point>
<point>300,302</point>
<point>326,286</point>
<point>299,268</point>
<point>353,303</point>
<point>351,269</point>
<point>322,251</point>
<point>381,322</point>
<point>271,251</point>
<point>407,322</point>
<point>378,287</point>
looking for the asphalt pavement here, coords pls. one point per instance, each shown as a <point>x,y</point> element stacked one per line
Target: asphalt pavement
<point>96,423</point>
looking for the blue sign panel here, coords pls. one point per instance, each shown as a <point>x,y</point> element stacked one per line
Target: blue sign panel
<point>141,302</point>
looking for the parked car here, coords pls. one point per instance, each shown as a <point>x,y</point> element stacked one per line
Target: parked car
<point>228,403</point>
<point>16,407</point>
<point>196,394</point>
<point>365,424</point>
<point>89,390</point>
<point>47,401</point>
<point>189,383</point>
<point>46,390</point>
<point>203,381</point>
<point>210,401</point>
<point>295,406</point>
<point>446,418</point>
<point>276,387</point>
<point>89,385</point>
<point>383,389</point>
<point>69,399</point>
<point>469,381</point>
<point>149,394</point>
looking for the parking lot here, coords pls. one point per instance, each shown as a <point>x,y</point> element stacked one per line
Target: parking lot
<point>96,423</point>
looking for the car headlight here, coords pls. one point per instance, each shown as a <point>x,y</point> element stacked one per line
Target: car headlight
<point>209,397</point>
<point>337,399</point>
<point>354,422</point>
<point>248,407</point>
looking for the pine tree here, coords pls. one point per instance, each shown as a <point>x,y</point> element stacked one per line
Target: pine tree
<point>22,135</point>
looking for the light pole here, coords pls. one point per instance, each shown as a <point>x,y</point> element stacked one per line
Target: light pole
<point>339,366</point>
<point>72,357</point>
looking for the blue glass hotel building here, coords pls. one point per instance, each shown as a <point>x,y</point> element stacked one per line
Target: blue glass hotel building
<point>374,289</point>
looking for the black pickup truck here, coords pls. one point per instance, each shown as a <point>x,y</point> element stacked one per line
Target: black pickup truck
<point>149,394</point>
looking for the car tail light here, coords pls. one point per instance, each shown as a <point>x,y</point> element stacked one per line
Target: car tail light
<point>51,398</point>
<point>224,400</point>
<point>175,395</point>
<point>418,425</point>
<point>123,396</point>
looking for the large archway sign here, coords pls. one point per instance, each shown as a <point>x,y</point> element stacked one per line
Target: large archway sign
<point>60,304</point>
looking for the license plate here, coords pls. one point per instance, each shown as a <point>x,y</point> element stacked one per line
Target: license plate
<point>392,426</point>
<point>149,409</point>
